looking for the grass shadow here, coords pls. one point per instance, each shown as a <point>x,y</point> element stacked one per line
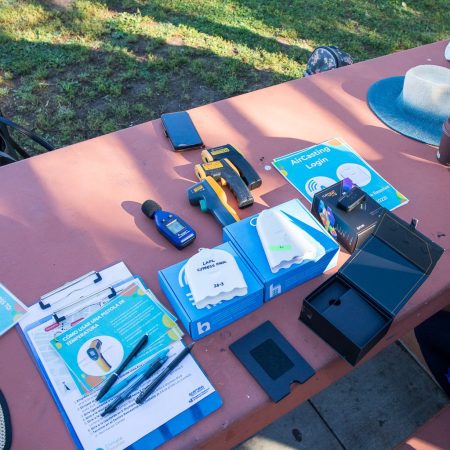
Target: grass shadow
<point>73,70</point>
<point>68,93</point>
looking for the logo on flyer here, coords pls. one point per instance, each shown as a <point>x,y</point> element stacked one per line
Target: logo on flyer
<point>201,391</point>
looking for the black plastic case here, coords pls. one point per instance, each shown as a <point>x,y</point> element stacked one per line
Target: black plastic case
<point>354,309</point>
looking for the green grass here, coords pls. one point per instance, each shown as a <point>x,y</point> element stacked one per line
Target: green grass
<point>91,67</point>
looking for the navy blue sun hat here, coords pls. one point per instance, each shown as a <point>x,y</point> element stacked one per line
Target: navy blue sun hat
<point>416,105</point>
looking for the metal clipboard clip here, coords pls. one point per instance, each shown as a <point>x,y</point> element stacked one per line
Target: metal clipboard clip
<point>59,314</point>
<point>96,278</point>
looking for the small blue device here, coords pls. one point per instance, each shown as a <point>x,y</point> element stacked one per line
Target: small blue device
<point>171,226</point>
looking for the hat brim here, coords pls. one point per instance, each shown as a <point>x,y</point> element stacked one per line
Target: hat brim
<point>382,98</point>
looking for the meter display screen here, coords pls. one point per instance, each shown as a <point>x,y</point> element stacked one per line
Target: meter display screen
<point>175,227</point>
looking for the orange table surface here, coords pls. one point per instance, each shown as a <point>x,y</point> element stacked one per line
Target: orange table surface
<point>78,209</point>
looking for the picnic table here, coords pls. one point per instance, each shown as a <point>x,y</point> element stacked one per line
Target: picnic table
<point>76,209</point>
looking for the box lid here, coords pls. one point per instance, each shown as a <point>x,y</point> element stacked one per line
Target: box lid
<point>393,263</point>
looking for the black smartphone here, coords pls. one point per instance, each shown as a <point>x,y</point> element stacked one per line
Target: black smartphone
<point>181,131</point>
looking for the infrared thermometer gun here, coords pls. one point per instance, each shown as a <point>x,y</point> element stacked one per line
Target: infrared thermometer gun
<point>225,172</point>
<point>95,353</point>
<point>211,198</point>
<point>246,170</point>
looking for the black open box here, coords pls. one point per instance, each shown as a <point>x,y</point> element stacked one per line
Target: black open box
<point>354,309</point>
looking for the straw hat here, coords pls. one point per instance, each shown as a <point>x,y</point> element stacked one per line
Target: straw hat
<point>415,105</point>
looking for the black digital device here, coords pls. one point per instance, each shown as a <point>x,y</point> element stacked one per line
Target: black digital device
<point>351,199</point>
<point>181,131</point>
<point>171,226</point>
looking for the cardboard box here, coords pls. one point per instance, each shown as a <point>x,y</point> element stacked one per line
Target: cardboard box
<point>245,238</point>
<point>351,228</point>
<point>202,322</point>
<point>354,309</point>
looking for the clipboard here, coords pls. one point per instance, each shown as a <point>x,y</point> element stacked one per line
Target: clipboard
<point>69,288</point>
<point>154,438</point>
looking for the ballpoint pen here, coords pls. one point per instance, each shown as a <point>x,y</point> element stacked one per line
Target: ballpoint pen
<point>133,385</point>
<point>118,387</point>
<point>160,378</point>
<point>112,379</point>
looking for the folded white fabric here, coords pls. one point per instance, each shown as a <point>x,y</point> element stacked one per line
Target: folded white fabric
<point>213,275</point>
<point>284,243</point>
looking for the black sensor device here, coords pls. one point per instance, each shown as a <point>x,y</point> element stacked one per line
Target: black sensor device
<point>181,131</point>
<point>351,199</point>
<point>171,226</point>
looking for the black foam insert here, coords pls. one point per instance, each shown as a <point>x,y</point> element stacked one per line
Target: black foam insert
<point>349,311</point>
<point>271,360</point>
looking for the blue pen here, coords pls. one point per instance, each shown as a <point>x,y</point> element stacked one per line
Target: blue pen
<point>156,365</point>
<point>116,389</point>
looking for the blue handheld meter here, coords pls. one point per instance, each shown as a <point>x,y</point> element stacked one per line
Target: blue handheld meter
<point>171,226</point>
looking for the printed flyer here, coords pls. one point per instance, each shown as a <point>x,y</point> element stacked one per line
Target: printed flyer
<point>11,309</point>
<point>315,168</point>
<point>96,346</point>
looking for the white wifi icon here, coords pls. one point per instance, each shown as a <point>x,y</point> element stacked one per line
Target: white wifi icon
<point>316,184</point>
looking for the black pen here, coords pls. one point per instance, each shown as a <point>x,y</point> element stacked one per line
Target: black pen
<point>133,385</point>
<point>112,379</point>
<point>160,378</point>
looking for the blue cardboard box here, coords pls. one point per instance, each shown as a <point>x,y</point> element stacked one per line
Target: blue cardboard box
<point>201,322</point>
<point>245,238</point>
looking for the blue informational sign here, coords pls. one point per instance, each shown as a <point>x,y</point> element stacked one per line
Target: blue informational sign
<point>315,168</point>
<point>11,309</point>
